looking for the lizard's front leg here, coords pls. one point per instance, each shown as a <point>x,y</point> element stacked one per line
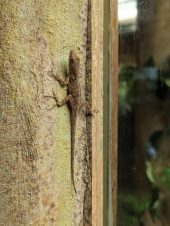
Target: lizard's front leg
<point>61,81</point>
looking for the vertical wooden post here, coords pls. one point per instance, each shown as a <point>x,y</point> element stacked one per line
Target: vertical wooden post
<point>99,64</point>
<point>97,103</point>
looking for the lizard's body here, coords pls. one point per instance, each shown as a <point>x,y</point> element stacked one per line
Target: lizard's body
<point>73,89</point>
<point>73,100</point>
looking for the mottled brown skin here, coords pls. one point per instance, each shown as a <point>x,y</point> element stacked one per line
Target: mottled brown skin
<point>73,100</point>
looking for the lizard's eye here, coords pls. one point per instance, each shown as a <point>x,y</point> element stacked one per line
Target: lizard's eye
<point>71,60</point>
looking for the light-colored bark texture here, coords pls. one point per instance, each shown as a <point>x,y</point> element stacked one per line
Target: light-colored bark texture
<point>35,178</point>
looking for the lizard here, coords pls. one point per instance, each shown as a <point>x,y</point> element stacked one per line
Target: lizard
<point>72,99</point>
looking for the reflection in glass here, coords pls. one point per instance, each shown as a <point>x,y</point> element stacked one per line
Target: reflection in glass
<point>127,15</point>
<point>144,113</point>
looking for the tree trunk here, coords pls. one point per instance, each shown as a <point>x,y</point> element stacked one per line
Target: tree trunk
<point>35,177</point>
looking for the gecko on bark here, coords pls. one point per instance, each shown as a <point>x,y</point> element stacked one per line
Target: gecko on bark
<point>73,100</point>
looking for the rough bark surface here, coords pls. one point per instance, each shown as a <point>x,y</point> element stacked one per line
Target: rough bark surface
<point>35,178</point>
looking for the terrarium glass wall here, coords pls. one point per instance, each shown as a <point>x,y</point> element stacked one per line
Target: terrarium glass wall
<point>144,113</point>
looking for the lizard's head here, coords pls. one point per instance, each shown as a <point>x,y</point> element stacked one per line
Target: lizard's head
<point>74,63</point>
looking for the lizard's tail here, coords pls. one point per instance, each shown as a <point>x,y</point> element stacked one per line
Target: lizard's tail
<point>73,126</point>
<point>72,174</point>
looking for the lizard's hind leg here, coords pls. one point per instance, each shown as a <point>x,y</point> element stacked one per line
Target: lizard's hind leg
<point>59,103</point>
<point>63,102</point>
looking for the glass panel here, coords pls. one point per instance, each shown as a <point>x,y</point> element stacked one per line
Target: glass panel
<point>127,15</point>
<point>144,113</point>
